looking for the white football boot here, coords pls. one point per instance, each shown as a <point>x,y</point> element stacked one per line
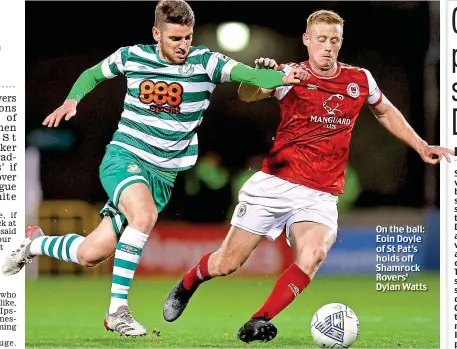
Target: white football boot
<point>14,263</point>
<point>123,322</point>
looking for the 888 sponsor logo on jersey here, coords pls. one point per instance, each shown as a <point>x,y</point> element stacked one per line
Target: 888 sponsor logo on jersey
<point>161,96</point>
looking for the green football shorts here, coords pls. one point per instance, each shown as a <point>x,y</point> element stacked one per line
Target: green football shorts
<point>121,168</point>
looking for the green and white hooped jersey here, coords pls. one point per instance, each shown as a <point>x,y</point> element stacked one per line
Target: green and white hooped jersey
<point>164,102</point>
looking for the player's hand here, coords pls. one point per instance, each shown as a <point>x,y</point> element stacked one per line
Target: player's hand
<point>67,110</point>
<point>295,76</point>
<point>433,154</point>
<point>266,63</point>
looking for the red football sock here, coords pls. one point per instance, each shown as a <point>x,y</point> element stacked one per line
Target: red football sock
<point>197,274</point>
<point>289,285</point>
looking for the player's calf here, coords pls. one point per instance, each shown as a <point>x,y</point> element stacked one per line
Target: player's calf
<point>137,205</point>
<point>36,243</point>
<point>223,263</point>
<point>89,256</point>
<point>311,243</point>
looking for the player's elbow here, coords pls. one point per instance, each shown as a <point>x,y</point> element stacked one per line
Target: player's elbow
<point>251,95</point>
<point>245,96</point>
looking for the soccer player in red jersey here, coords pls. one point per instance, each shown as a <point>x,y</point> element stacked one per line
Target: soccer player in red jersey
<point>298,185</point>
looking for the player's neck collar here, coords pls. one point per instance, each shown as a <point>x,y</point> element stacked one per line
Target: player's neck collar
<point>320,76</point>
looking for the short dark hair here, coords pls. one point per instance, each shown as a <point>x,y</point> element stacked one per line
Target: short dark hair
<point>174,11</point>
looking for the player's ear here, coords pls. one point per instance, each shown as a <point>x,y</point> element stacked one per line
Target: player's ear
<point>305,39</point>
<point>156,34</point>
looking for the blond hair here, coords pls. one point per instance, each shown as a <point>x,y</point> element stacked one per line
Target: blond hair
<point>324,16</point>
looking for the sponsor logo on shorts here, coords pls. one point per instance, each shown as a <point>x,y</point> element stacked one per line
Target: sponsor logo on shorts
<point>241,211</point>
<point>133,168</point>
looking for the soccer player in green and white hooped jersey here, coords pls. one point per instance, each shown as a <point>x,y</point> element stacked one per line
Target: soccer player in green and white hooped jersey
<point>169,88</point>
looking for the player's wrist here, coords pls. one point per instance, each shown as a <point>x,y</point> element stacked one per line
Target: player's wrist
<point>71,101</point>
<point>421,145</point>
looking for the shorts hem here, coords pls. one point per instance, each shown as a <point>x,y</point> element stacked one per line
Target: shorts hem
<point>127,182</point>
<point>252,231</point>
<point>335,231</point>
<point>116,220</point>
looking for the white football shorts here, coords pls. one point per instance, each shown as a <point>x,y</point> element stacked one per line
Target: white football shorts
<point>267,204</point>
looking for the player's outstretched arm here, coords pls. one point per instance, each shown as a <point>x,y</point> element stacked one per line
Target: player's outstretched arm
<point>83,85</point>
<point>251,93</point>
<point>394,121</point>
<point>264,78</point>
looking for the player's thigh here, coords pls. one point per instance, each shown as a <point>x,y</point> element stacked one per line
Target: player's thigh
<point>138,206</point>
<point>139,202</point>
<point>136,193</point>
<point>234,251</point>
<point>263,207</point>
<point>98,245</point>
<point>119,170</point>
<point>311,241</point>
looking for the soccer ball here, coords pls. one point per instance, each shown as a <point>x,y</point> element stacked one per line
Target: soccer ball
<point>335,325</point>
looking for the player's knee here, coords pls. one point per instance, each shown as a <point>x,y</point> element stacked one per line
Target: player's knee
<point>319,254</point>
<point>144,219</point>
<point>311,258</point>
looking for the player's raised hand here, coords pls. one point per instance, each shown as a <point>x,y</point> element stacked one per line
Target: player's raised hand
<point>67,110</point>
<point>295,76</point>
<point>265,63</point>
<point>433,154</point>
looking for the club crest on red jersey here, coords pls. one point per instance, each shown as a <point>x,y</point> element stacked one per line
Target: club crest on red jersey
<point>332,103</point>
<point>353,90</point>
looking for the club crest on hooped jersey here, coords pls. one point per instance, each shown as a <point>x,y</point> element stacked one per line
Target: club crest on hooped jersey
<point>186,69</point>
<point>353,90</point>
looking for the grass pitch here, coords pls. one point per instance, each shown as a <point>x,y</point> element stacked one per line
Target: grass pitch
<point>68,312</point>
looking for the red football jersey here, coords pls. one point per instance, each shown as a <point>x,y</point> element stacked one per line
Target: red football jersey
<point>311,146</point>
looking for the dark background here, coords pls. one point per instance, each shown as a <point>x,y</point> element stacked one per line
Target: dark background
<point>391,39</point>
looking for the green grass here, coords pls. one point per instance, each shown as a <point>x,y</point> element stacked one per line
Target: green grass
<point>68,313</point>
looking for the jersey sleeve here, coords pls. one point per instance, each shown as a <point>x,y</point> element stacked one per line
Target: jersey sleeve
<point>218,66</point>
<point>113,65</point>
<point>280,92</point>
<point>374,93</point>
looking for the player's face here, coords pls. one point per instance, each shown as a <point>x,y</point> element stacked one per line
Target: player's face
<point>174,41</point>
<point>324,42</point>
